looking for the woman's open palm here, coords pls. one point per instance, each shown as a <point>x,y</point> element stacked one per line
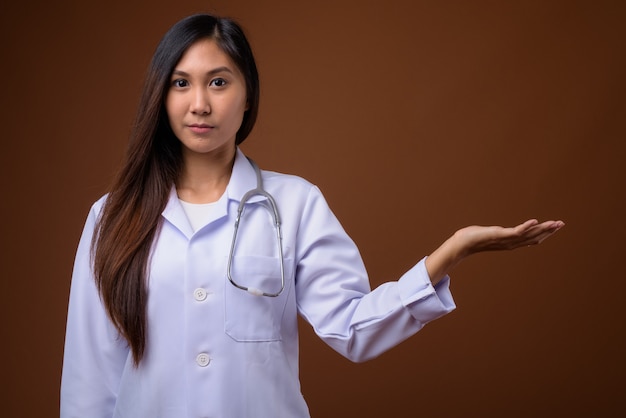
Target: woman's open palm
<point>495,238</point>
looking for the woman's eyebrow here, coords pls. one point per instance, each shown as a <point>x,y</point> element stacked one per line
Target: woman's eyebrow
<point>211,72</point>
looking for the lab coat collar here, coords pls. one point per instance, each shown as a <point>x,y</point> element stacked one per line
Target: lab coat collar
<point>175,214</point>
<point>242,179</point>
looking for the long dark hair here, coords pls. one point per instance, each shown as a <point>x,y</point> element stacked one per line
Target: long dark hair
<point>131,216</point>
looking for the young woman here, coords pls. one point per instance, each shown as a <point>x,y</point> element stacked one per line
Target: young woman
<point>177,309</point>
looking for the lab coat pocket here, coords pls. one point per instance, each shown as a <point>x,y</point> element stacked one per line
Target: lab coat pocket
<point>250,317</point>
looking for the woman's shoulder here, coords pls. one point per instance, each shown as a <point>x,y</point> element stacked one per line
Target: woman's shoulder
<point>96,207</point>
<point>295,184</point>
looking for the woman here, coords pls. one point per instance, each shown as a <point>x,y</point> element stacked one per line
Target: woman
<point>160,323</point>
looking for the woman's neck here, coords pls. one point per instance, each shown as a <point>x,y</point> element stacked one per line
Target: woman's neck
<point>204,177</point>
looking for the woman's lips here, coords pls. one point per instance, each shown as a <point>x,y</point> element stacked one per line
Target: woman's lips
<point>200,128</point>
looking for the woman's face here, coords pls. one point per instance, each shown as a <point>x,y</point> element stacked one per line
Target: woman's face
<point>206,99</point>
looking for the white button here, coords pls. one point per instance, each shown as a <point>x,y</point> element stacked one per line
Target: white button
<point>203,359</point>
<point>199,294</point>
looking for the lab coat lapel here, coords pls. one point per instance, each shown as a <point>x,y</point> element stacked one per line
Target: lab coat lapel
<point>175,214</point>
<point>242,180</point>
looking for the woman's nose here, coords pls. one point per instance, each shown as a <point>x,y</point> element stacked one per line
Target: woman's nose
<point>200,102</point>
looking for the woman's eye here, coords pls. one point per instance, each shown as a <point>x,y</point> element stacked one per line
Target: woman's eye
<point>218,82</point>
<point>180,83</point>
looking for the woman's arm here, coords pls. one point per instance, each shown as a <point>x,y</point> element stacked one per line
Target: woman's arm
<point>95,354</point>
<point>474,239</point>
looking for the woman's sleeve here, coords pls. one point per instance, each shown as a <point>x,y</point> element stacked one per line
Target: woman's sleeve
<point>95,354</point>
<point>334,293</point>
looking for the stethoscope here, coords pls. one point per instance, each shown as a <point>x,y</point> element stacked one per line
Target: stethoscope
<point>273,209</point>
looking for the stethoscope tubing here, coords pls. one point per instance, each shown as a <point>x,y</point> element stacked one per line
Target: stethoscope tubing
<point>258,191</point>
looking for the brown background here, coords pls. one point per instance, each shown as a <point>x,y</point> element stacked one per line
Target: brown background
<point>415,118</point>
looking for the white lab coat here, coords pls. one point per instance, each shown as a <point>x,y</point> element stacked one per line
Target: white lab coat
<point>216,351</point>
